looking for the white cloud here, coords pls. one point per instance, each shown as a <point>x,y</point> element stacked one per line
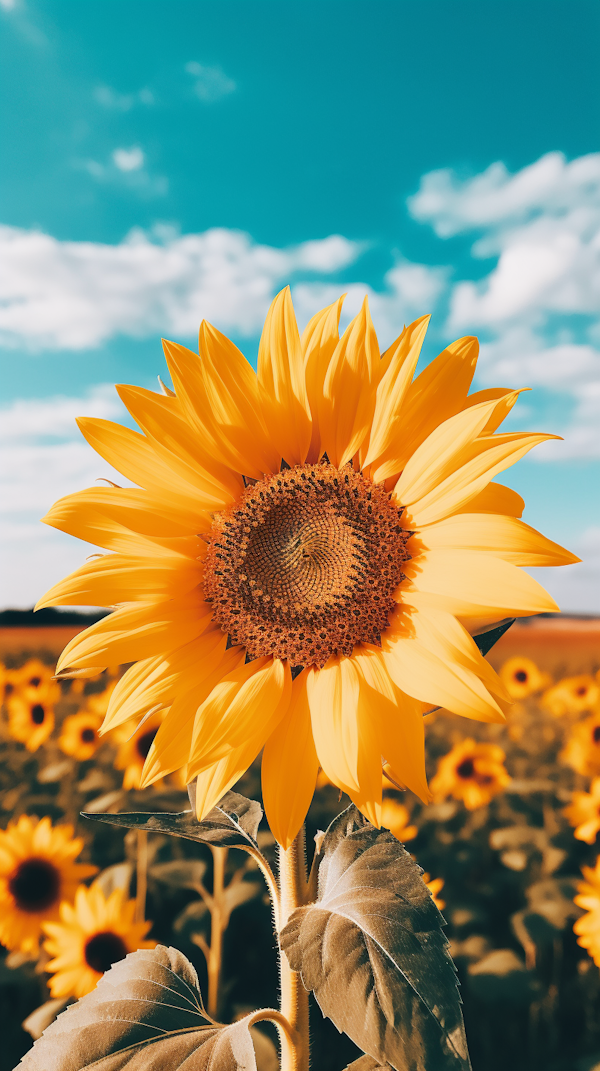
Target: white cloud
<point>8,5</point>
<point>74,295</point>
<point>122,102</point>
<point>128,159</point>
<point>210,83</point>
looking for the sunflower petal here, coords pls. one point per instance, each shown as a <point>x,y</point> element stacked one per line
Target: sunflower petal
<point>281,374</point>
<point>319,340</point>
<point>349,389</point>
<point>115,578</point>
<point>494,498</point>
<point>289,768</point>
<point>505,537</point>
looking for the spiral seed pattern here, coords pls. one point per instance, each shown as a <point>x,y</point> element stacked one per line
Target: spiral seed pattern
<point>305,564</point>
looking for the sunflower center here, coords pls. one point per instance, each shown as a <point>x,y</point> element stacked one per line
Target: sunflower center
<point>38,714</point>
<point>35,885</point>
<point>521,676</point>
<point>596,734</point>
<point>88,736</point>
<point>35,682</point>
<point>305,564</point>
<point>104,949</point>
<point>466,769</point>
<point>144,743</point>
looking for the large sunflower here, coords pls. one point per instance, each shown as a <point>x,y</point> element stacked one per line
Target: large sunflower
<point>304,558</point>
<point>37,873</point>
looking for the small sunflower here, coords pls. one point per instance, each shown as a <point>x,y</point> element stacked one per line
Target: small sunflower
<point>10,680</point>
<point>435,886</point>
<point>583,812</point>
<point>587,927</point>
<point>395,817</point>
<point>92,934</point>
<point>521,677</point>
<point>470,772</point>
<point>572,695</point>
<point>80,736</point>
<point>582,751</point>
<point>304,559</point>
<point>35,675</point>
<point>134,743</point>
<point>37,872</point>
<point>30,720</point>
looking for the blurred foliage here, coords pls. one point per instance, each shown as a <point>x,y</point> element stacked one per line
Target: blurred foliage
<point>510,866</point>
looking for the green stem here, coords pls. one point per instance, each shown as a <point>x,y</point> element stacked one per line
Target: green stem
<point>294,997</point>
<point>141,875</point>
<point>218,924</point>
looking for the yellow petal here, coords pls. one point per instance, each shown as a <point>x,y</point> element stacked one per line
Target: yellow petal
<point>495,498</point>
<point>401,359</point>
<point>506,399</point>
<point>137,632</point>
<point>348,400</point>
<point>469,582</point>
<point>437,393</point>
<point>319,340</point>
<point>116,578</point>
<point>216,780</point>
<point>236,402</point>
<point>505,537</point>
<point>469,479</point>
<point>179,444</point>
<point>442,452</point>
<point>289,768</point>
<point>105,515</point>
<point>281,374</point>
<point>245,706</point>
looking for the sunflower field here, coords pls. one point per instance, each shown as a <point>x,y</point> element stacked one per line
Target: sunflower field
<point>508,846</point>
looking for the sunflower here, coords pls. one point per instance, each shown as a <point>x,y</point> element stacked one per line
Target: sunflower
<point>583,812</point>
<point>37,872</point>
<point>396,818</point>
<point>80,735</point>
<point>588,926</point>
<point>572,695</point>
<point>470,772</point>
<point>30,720</point>
<point>10,680</point>
<point>521,677</point>
<point>435,886</point>
<point>92,934</point>
<point>133,748</point>
<point>305,558</point>
<point>582,751</point>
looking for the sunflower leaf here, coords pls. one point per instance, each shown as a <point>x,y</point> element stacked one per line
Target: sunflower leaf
<point>367,1063</point>
<point>372,950</point>
<point>146,1012</point>
<point>486,640</point>
<point>232,823</point>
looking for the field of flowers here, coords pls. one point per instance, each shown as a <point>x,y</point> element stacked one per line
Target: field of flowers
<point>508,845</point>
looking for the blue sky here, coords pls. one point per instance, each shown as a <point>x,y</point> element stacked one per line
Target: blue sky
<point>173,160</point>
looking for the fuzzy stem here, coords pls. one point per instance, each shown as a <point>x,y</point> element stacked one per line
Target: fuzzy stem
<point>141,875</point>
<point>218,924</point>
<point>294,997</point>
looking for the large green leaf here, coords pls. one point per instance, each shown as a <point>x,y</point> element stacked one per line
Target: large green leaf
<point>486,640</point>
<point>145,1014</point>
<point>372,950</point>
<point>232,823</point>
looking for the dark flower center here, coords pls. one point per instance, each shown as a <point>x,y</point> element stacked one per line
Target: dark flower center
<point>144,742</point>
<point>9,688</point>
<point>38,714</point>
<point>88,736</point>
<point>581,690</point>
<point>306,563</point>
<point>34,682</point>
<point>466,769</point>
<point>104,949</point>
<point>521,676</point>
<point>35,885</point>
<point>596,734</point>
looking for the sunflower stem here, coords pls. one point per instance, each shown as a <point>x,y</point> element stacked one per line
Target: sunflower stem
<point>141,875</point>
<point>218,924</point>
<point>294,997</point>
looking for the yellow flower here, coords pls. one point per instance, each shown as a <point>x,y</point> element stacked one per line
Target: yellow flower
<point>583,812</point>
<point>92,934</point>
<point>470,772</point>
<point>582,751</point>
<point>134,747</point>
<point>36,872</point>
<point>572,695</point>
<point>10,680</point>
<point>80,735</point>
<point>98,701</point>
<point>522,677</point>
<point>588,926</point>
<point>304,558</point>
<point>30,720</point>
<point>395,817</point>
<point>435,885</point>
